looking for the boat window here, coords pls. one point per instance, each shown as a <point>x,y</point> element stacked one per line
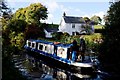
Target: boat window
<point>61,52</point>
<point>45,48</point>
<point>33,44</point>
<point>29,44</point>
<point>40,47</point>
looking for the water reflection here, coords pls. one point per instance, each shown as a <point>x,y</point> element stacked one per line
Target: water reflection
<point>35,69</point>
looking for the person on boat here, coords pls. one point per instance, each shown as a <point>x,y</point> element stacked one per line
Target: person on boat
<point>74,50</point>
<point>82,47</point>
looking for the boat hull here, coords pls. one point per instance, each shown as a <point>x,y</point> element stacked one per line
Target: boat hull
<point>61,65</point>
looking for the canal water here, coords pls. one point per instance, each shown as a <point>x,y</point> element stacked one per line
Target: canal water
<point>34,69</point>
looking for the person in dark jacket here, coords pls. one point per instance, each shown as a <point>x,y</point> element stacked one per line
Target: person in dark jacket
<point>74,50</point>
<point>82,47</point>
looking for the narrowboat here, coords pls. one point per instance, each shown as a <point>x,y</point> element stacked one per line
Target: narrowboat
<point>58,55</point>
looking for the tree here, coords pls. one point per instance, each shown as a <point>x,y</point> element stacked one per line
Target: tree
<point>32,14</point>
<point>87,19</point>
<point>33,31</point>
<point>17,25</point>
<point>105,18</point>
<point>5,11</point>
<point>25,24</point>
<point>9,72</point>
<point>5,14</point>
<point>20,14</point>
<point>110,48</point>
<point>96,19</point>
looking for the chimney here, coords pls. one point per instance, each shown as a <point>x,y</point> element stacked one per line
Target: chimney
<point>64,14</point>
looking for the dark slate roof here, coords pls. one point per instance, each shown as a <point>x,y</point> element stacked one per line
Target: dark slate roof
<point>70,19</point>
<point>55,29</point>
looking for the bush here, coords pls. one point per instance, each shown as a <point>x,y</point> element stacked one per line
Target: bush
<point>57,35</point>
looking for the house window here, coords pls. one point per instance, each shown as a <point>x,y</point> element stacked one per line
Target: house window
<point>73,25</point>
<point>73,33</point>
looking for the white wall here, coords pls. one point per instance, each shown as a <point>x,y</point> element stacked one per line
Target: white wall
<point>76,29</point>
<point>67,27</point>
<point>62,26</point>
<point>47,34</point>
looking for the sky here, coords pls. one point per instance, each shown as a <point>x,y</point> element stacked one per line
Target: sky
<point>56,8</point>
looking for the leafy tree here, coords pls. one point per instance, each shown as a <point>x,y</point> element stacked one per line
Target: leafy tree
<point>6,14</point>
<point>96,19</point>
<point>105,18</point>
<point>5,11</point>
<point>86,19</point>
<point>15,32</point>
<point>17,25</point>
<point>87,27</point>
<point>33,31</point>
<point>32,14</point>
<point>25,21</point>
<point>17,40</point>
<point>110,48</point>
<point>20,14</point>
<point>9,72</point>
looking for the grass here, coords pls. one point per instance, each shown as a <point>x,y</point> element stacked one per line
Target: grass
<point>98,26</point>
<point>92,36</point>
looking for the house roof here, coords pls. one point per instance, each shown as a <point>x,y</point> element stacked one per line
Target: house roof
<point>70,19</point>
<point>48,29</point>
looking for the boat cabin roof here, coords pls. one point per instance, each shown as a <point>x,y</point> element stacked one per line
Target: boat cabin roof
<point>64,45</point>
<point>52,43</point>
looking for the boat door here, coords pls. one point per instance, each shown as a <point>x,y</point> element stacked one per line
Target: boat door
<point>62,52</point>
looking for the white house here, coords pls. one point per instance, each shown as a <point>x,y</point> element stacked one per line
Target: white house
<point>73,25</point>
<point>48,31</point>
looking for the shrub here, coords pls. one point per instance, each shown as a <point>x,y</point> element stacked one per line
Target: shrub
<point>57,35</point>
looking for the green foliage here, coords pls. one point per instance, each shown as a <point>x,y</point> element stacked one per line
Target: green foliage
<point>110,49</point>
<point>86,19</point>
<point>9,72</point>
<point>98,27</point>
<point>57,35</point>
<point>89,39</point>
<point>96,19</point>
<point>93,36</point>
<point>5,11</point>
<point>24,24</point>
<point>92,41</point>
<point>33,32</point>
<point>17,25</point>
<point>6,14</point>
<point>88,29</point>
<point>14,32</point>
<point>32,14</point>
<point>64,37</point>
<point>20,14</point>
<point>17,40</point>
<point>46,25</point>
